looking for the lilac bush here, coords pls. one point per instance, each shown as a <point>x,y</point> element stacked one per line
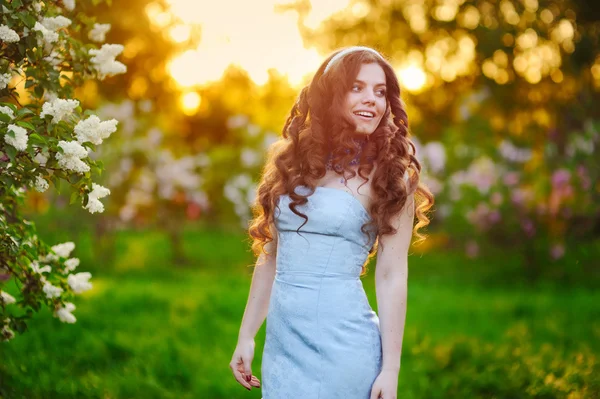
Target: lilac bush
<point>46,138</point>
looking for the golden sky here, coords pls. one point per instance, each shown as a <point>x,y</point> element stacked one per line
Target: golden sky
<point>250,34</point>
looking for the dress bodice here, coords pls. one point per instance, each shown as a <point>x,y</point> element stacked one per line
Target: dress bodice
<point>335,218</point>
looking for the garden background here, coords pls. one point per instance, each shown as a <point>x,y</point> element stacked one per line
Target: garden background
<point>502,98</point>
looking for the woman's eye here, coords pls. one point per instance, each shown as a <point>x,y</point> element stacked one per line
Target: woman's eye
<point>355,88</point>
<point>381,92</point>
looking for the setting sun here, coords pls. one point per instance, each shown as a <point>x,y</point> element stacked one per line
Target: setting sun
<point>412,77</point>
<point>274,41</point>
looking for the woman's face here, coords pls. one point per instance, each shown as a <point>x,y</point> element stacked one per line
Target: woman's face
<point>366,100</point>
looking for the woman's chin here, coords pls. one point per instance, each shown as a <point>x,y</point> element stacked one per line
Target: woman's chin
<point>361,131</point>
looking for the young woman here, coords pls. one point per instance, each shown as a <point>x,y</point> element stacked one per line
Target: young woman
<point>342,185</point>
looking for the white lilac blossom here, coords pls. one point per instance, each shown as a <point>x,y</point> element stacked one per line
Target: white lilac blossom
<point>71,158</point>
<point>435,156</point>
<point>20,139</point>
<point>269,139</point>
<point>41,184</point>
<point>202,160</point>
<point>59,109</point>
<point>145,106</point>
<point>241,191</point>
<point>79,282</point>
<point>250,157</point>
<point>48,258</point>
<point>69,4</point>
<point>252,130</point>
<point>154,136</point>
<point>512,153</point>
<point>55,23</point>
<point>4,80</point>
<point>35,266</point>
<point>51,291</point>
<point>94,205</point>
<point>50,96</point>
<point>6,333</point>
<point>31,241</point>
<point>64,313</point>
<point>236,121</point>
<point>98,32</point>
<point>54,59</point>
<point>94,130</point>
<point>41,159</point>
<point>124,112</point>
<point>64,250</point>
<point>482,173</point>
<point>70,265</point>
<point>48,35</point>
<point>104,62</point>
<point>172,173</point>
<point>37,6</point>
<point>7,111</point>
<point>434,185</point>
<point>6,298</point>
<point>8,35</point>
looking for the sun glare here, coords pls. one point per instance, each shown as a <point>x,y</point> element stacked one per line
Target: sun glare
<point>252,35</point>
<point>190,102</point>
<point>180,33</point>
<point>412,77</point>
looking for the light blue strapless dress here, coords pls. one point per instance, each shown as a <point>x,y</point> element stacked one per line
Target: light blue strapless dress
<point>322,336</point>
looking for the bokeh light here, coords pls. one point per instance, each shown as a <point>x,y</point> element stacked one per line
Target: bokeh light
<point>190,102</point>
<point>412,77</point>
<point>273,43</point>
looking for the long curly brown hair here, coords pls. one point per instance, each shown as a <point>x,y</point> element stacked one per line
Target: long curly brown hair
<point>317,127</point>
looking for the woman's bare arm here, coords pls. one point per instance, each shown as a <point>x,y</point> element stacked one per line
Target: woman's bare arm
<point>391,277</point>
<point>260,291</point>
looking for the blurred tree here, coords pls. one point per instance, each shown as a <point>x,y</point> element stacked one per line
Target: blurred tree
<point>154,163</point>
<point>489,79</point>
<point>539,60</point>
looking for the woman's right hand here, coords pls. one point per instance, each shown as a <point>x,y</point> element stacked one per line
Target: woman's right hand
<point>241,363</point>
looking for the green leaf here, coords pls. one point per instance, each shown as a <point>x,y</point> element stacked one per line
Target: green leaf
<point>75,178</point>
<point>4,118</point>
<point>11,152</point>
<point>11,106</point>
<point>25,111</point>
<point>74,197</point>
<point>26,125</point>
<point>20,326</point>
<point>56,181</point>
<point>37,138</point>
<point>6,179</point>
<point>39,91</point>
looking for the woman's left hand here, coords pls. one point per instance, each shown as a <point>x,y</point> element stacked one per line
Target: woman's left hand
<point>385,385</point>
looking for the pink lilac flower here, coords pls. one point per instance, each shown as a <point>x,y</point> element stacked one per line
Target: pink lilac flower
<point>496,199</point>
<point>586,183</point>
<point>520,196</point>
<point>557,251</point>
<point>472,249</point>
<point>494,216</point>
<point>528,227</point>
<point>511,178</point>
<point>560,177</point>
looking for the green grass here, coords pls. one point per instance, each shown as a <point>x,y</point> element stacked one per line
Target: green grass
<point>150,329</point>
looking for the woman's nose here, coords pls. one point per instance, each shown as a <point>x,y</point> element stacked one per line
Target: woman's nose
<point>369,96</point>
